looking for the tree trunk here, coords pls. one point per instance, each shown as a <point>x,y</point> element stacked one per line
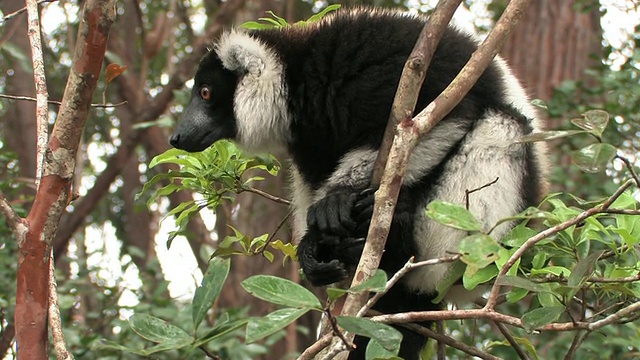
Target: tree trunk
<point>555,41</point>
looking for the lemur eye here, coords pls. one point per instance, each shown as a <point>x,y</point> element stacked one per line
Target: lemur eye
<point>205,93</point>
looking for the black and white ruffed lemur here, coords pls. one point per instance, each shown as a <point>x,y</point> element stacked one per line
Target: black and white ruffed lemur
<point>323,93</point>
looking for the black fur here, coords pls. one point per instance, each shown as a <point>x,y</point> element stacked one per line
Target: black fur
<point>339,78</point>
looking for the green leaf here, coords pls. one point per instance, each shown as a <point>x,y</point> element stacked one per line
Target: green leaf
<point>282,22</point>
<point>539,103</point>
<point>163,121</point>
<point>552,270</point>
<point>377,351</point>
<point>157,330</point>
<point>205,295</point>
<point>625,201</point>
<point>388,337</point>
<point>593,121</point>
<point>165,346</point>
<point>452,276</point>
<point>522,283</point>
<point>481,276</point>
<point>376,283</point>
<point>548,299</point>
<point>259,328</point>
<point>584,268</point>
<point>323,13</point>
<point>541,316</point>
<point>479,250</point>
<point>518,235</point>
<point>524,342</point>
<point>453,215</point>
<point>516,294</point>
<point>219,331</point>
<point>254,25</point>
<point>112,345</point>
<point>169,156</point>
<point>594,158</point>
<point>281,291</point>
<point>288,250</point>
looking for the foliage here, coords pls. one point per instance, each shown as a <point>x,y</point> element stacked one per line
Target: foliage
<point>275,21</point>
<point>293,299</point>
<point>216,173</point>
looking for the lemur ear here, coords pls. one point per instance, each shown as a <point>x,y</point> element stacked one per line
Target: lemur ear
<point>242,53</point>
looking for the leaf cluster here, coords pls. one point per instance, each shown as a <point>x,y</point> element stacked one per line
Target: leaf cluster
<point>217,174</point>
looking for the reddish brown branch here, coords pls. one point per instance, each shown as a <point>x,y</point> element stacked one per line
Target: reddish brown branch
<point>57,172</point>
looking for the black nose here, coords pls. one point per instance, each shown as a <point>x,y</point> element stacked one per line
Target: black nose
<point>174,140</point>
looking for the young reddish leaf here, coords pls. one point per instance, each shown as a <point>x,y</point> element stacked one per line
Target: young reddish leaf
<point>113,71</point>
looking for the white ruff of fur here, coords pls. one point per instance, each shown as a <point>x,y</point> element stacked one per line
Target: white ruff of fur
<point>260,102</point>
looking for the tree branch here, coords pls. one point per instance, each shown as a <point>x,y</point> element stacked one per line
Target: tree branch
<point>54,316</point>
<point>57,173</point>
<point>14,221</point>
<point>40,81</point>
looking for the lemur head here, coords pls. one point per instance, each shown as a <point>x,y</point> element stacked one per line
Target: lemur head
<point>209,115</point>
<point>238,94</point>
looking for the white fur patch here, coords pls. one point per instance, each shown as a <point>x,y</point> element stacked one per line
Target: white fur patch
<point>260,102</point>
<point>300,203</point>
<point>490,151</point>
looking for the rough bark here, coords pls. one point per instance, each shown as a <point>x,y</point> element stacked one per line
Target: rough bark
<point>555,41</point>
<point>53,193</point>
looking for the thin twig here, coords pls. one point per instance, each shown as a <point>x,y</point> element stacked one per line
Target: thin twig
<point>40,81</point>
<point>209,354</point>
<point>266,195</point>
<point>512,341</point>
<point>55,320</point>
<point>20,11</point>
<point>337,332</point>
<point>408,266</point>
<point>444,339</point>
<point>56,102</point>
<point>593,279</point>
<point>575,343</point>
<point>310,352</point>
<point>469,192</point>
<point>273,234</point>
<point>13,220</point>
<point>629,166</point>
<point>490,314</point>
<point>442,347</point>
